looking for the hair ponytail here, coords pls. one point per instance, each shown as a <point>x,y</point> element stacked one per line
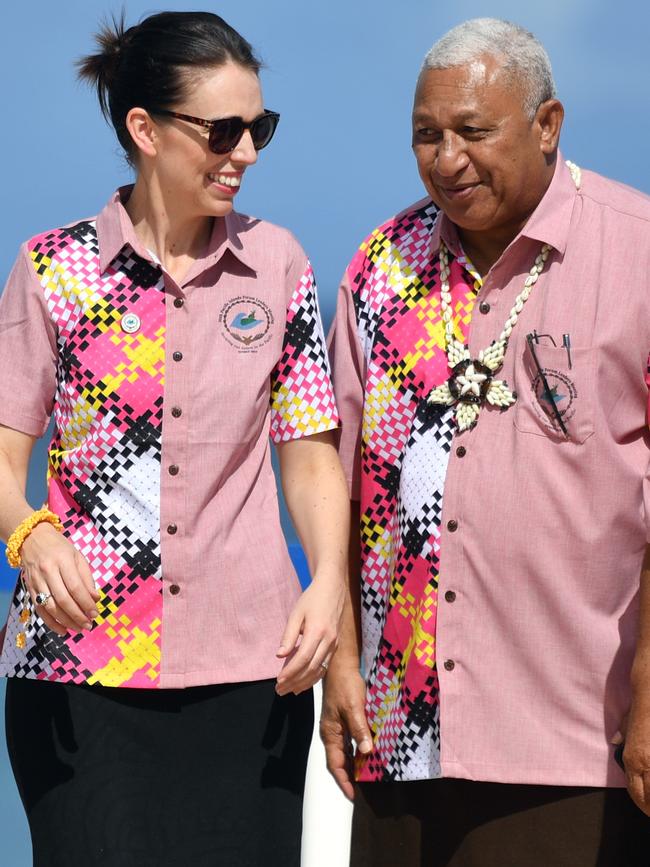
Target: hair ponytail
<point>100,70</point>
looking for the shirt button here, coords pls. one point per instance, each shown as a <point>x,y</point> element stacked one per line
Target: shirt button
<point>174,589</point>
<point>461,451</point>
<point>172,529</point>
<point>484,307</point>
<point>177,412</point>
<point>177,356</point>
<point>450,596</point>
<point>173,470</point>
<point>178,302</point>
<point>452,526</point>
<point>450,665</point>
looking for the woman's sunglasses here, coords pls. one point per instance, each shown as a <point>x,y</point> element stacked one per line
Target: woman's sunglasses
<point>226,133</point>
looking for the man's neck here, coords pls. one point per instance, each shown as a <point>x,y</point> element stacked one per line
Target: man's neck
<point>485,248</point>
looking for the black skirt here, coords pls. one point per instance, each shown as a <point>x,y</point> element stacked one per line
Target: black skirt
<point>210,775</point>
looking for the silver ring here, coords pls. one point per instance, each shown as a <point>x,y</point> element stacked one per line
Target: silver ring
<point>324,665</point>
<point>41,598</point>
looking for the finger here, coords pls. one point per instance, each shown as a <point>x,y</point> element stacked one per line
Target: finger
<point>87,576</point>
<point>63,606</point>
<point>305,682</point>
<point>51,612</point>
<point>312,662</point>
<point>316,669</point>
<point>291,634</point>
<point>338,759</point>
<point>339,767</point>
<point>78,591</point>
<point>34,587</point>
<point>297,668</point>
<point>635,788</point>
<point>359,729</point>
<point>646,791</point>
<point>52,623</point>
<point>46,616</point>
<point>60,606</point>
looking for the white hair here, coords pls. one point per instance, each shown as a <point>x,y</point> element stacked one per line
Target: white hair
<point>524,58</point>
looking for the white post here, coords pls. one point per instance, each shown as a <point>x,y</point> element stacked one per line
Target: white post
<point>327,813</point>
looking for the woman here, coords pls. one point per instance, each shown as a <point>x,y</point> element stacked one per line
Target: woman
<point>157,603</point>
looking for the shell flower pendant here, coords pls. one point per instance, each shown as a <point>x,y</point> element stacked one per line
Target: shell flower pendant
<point>472,383</point>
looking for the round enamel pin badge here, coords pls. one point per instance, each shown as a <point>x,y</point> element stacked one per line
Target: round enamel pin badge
<point>130,323</point>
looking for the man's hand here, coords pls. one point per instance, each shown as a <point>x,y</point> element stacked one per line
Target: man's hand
<point>636,755</point>
<point>343,719</point>
<point>636,728</point>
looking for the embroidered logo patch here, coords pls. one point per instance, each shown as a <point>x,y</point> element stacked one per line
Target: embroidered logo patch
<point>246,323</point>
<point>557,394</point>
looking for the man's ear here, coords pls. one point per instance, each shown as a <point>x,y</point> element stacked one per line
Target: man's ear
<point>549,117</point>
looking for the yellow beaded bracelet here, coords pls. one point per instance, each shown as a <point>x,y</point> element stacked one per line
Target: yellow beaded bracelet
<point>22,531</point>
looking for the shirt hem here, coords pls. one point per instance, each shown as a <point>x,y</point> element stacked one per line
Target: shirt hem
<point>604,778</point>
<point>165,681</point>
<point>287,436</point>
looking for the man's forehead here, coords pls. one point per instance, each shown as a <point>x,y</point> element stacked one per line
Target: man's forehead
<point>466,88</point>
<point>462,114</point>
<point>476,75</point>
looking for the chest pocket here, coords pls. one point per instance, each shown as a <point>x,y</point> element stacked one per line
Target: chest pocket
<point>557,391</point>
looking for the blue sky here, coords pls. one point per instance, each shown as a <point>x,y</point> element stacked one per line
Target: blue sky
<point>342,76</point>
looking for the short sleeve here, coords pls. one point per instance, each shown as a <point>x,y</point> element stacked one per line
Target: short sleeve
<point>302,395</point>
<point>348,367</point>
<point>28,352</point>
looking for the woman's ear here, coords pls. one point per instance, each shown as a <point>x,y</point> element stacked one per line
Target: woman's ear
<point>142,130</point>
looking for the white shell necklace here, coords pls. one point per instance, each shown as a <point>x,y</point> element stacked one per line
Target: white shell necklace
<point>471,382</point>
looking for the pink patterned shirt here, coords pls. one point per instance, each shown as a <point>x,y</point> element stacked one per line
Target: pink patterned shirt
<point>163,398</point>
<point>500,566</point>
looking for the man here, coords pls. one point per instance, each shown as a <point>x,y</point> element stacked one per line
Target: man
<point>490,356</point>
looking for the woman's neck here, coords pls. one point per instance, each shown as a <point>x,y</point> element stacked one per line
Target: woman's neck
<point>175,239</point>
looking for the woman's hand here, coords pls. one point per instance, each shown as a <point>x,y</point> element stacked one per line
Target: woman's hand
<point>52,565</point>
<point>316,494</point>
<point>311,635</point>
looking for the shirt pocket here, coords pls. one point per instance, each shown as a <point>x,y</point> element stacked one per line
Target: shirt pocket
<point>558,391</point>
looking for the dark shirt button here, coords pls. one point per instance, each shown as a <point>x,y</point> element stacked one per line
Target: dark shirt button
<point>173,470</point>
<point>177,356</point>
<point>177,412</point>
<point>484,307</point>
<point>461,451</point>
<point>178,302</point>
<point>450,665</point>
<point>452,526</point>
<point>174,589</point>
<point>171,529</point>
<point>450,596</point>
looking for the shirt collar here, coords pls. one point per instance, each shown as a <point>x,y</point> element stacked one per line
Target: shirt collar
<point>549,223</point>
<point>115,230</point>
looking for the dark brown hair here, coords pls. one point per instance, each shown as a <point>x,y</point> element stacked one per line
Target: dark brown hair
<point>150,65</point>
